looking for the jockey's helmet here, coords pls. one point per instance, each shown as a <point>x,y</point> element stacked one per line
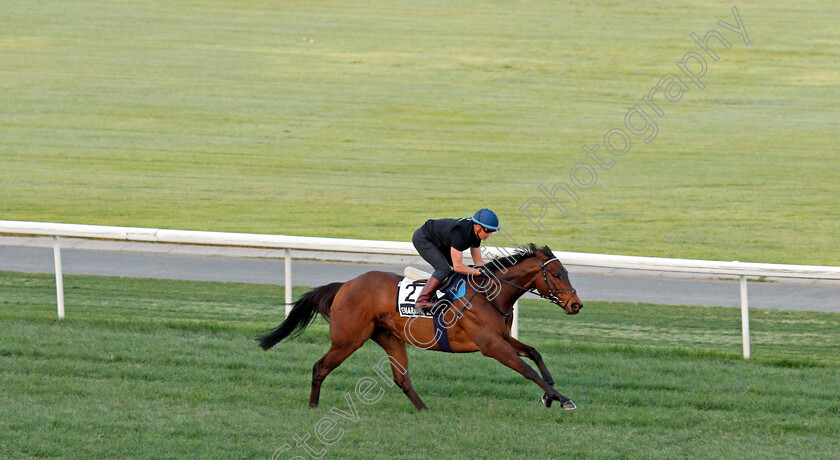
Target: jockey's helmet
<point>487,219</point>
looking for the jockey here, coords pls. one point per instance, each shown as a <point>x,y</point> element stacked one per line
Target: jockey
<point>441,243</point>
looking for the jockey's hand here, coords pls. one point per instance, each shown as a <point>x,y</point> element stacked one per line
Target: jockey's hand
<point>486,272</point>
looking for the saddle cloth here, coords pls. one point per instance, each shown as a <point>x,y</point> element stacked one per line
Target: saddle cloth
<point>410,287</point>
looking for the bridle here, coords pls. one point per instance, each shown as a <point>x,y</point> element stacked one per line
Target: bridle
<point>553,292</point>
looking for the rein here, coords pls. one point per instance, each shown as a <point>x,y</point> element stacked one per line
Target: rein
<point>492,304</point>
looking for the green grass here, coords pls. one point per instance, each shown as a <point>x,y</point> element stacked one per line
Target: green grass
<point>167,369</point>
<point>364,119</point>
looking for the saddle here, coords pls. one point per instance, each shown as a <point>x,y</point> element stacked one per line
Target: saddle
<point>416,274</point>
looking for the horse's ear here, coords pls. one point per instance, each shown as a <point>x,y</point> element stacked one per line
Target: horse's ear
<point>544,253</point>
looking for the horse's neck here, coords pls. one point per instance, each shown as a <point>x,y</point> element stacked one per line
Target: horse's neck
<point>523,276</point>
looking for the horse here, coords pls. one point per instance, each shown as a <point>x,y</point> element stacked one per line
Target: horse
<point>365,308</point>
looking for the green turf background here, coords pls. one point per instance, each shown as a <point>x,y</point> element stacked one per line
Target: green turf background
<point>364,119</point>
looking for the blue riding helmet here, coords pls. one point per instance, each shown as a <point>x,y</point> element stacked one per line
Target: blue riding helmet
<point>487,219</point>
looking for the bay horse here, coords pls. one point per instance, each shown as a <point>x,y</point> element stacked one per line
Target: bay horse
<point>365,308</point>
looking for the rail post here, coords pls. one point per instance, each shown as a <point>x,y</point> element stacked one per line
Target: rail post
<point>514,324</point>
<point>745,317</point>
<point>288,271</point>
<point>59,277</point>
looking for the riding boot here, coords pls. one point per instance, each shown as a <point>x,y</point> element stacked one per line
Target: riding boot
<point>424,300</point>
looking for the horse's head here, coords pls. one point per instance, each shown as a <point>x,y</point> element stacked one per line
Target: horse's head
<point>554,283</point>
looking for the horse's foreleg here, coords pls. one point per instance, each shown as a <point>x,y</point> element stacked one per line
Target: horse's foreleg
<point>532,353</point>
<point>503,352</point>
<point>399,364</point>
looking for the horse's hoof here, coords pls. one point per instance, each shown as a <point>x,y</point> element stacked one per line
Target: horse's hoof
<point>546,400</point>
<point>568,405</point>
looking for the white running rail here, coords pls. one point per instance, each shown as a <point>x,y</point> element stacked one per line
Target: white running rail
<point>289,243</point>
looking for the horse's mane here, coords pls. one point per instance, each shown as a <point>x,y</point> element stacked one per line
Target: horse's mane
<point>518,256</point>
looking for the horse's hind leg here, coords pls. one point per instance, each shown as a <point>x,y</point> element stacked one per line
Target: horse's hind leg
<point>399,364</point>
<point>334,357</point>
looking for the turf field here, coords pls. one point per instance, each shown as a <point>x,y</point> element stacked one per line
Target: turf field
<point>168,369</point>
<point>364,119</point>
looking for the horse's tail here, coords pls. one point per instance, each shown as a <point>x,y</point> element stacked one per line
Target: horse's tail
<point>318,300</point>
